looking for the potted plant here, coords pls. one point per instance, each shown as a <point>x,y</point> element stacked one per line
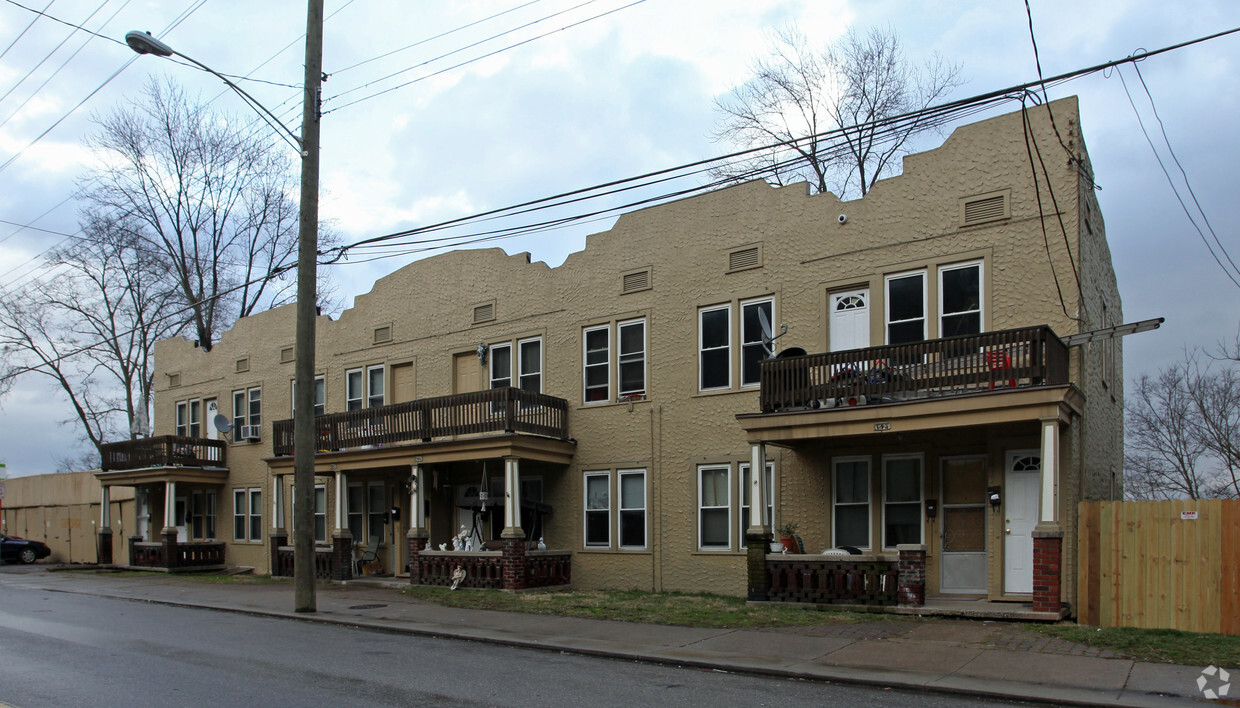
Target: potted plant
<point>786,533</point>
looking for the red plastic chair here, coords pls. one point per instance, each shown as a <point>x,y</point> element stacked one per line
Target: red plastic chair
<point>1000,361</point>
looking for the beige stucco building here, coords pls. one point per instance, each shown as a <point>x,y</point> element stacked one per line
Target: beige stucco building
<point>616,403</point>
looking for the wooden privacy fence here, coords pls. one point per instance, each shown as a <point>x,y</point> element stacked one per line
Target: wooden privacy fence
<point>1160,564</point>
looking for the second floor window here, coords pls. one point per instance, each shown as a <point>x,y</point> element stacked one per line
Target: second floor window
<point>526,370</point>
<point>960,299</point>
<point>906,308</point>
<point>714,347</point>
<point>320,396</point>
<point>374,387</point>
<point>630,361</point>
<point>753,348</point>
<point>247,408</point>
<point>189,418</point>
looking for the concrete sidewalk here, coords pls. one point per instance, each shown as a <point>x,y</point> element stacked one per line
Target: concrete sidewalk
<point>998,659</point>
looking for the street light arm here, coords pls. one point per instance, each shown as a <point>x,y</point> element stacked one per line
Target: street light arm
<point>144,43</point>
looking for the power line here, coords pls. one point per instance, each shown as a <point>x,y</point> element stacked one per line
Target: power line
<point>27,29</point>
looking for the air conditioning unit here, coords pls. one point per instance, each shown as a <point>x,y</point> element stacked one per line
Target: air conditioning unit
<point>251,433</point>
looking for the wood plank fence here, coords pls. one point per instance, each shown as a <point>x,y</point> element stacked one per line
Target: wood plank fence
<point>1160,564</point>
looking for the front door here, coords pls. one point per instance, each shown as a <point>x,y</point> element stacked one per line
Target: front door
<point>963,530</point>
<point>180,512</point>
<point>468,373</point>
<point>210,432</point>
<point>1021,488</point>
<point>403,388</point>
<point>850,320</point>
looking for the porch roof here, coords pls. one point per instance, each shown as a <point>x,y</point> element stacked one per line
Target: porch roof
<point>976,409</point>
<point>479,447</point>
<point>163,474</point>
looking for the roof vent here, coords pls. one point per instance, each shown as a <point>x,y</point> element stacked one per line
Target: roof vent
<point>744,259</point>
<point>286,355</point>
<point>984,208</point>
<point>243,365</point>
<point>637,280</point>
<point>484,313</point>
<point>383,334</point>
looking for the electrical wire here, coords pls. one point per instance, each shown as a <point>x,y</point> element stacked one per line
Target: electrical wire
<point>53,51</point>
<point>26,29</point>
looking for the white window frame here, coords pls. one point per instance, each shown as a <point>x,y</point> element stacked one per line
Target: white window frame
<point>255,526</point>
<point>727,506</point>
<point>726,347</point>
<point>494,375</point>
<point>868,503</point>
<point>622,508</point>
<point>887,321</point>
<point>519,364</point>
<point>181,421</point>
<point>195,418</point>
<point>240,516</point>
<point>356,513</point>
<point>248,512</point>
<point>746,498</point>
<point>354,389</point>
<point>241,413</point>
<point>254,399</point>
<point>320,395</point>
<point>981,294</point>
<point>375,400</point>
<point>624,358</point>
<point>921,496</point>
<point>604,509</point>
<point>604,364</point>
<point>751,344</point>
<point>376,516</point>
<point>320,517</point>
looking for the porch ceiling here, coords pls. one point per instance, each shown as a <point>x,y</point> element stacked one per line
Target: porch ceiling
<point>981,409</point>
<point>160,475</point>
<point>526,447</point>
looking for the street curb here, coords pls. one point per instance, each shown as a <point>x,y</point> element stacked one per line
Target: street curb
<point>1035,693</point>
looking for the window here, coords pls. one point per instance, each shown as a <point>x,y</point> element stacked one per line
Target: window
<point>960,299</point>
<point>501,366</point>
<point>248,514</point>
<point>374,386</point>
<point>598,509</point>
<point>320,396</point>
<point>630,361</point>
<point>714,510</point>
<point>633,509</point>
<point>906,308</point>
<point>529,378</point>
<point>355,516</point>
<point>596,367</point>
<point>353,390</point>
<point>714,348</point>
<point>376,511</point>
<point>320,513</point>
<point>753,349</point>
<point>632,357</point>
<point>901,500</point>
<point>247,409</point>
<point>768,481</point>
<point>189,419</point>
<point>851,502</point>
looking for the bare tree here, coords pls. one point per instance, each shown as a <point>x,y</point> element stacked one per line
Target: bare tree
<point>798,93</point>
<point>211,195</point>
<point>1182,431</point>
<point>91,328</point>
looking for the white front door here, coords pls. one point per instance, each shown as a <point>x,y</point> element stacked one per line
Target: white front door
<point>182,529</point>
<point>208,425</point>
<point>850,319</point>
<point>1021,491</point>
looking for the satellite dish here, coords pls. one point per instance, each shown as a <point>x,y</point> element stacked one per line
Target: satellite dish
<point>222,424</point>
<point>768,335</point>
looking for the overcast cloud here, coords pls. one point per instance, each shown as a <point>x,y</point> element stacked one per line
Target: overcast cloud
<point>620,95</point>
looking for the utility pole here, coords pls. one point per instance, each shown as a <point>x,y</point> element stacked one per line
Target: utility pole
<point>307,300</point>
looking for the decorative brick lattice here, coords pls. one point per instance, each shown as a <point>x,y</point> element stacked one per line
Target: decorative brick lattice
<point>832,582</point>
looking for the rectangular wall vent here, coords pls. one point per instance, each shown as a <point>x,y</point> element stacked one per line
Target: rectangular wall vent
<point>989,207</point>
<point>484,313</point>
<point>286,355</point>
<point>744,259</point>
<point>633,282</point>
<point>243,365</point>
<point>383,334</point>
<point>174,380</point>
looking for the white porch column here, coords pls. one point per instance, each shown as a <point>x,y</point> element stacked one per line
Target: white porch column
<point>342,488</point>
<point>417,509</point>
<point>170,507</point>
<point>1050,471</point>
<point>512,498</point>
<point>105,509</point>
<point>757,490</point>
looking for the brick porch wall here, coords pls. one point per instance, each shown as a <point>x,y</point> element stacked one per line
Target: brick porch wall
<point>912,584</point>
<point>1047,570</point>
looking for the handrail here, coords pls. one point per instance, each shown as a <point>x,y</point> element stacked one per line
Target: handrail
<point>162,451</point>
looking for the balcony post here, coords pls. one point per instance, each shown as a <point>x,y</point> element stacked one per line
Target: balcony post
<point>416,537</point>
<point>1048,534</point>
<point>758,535</point>
<point>104,555</point>
<point>512,499</point>
<point>342,537</point>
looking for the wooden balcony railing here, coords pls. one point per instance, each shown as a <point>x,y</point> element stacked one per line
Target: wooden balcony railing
<point>1031,356</point>
<point>828,581</point>
<point>162,451</point>
<point>509,410</point>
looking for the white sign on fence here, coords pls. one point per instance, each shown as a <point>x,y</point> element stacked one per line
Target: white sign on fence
<point>1188,516</point>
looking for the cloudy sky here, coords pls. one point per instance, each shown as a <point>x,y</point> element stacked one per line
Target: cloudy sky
<point>599,90</point>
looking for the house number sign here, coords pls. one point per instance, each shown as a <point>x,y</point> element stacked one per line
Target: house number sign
<point>879,427</point>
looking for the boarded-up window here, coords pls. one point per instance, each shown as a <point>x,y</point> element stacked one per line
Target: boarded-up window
<point>484,313</point>
<point>637,280</point>
<point>984,208</point>
<point>745,258</point>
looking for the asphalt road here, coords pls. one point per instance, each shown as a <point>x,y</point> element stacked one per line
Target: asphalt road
<point>59,649</point>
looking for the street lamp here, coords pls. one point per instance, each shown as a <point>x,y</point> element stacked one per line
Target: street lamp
<point>307,254</point>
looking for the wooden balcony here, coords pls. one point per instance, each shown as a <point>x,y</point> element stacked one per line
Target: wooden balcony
<point>499,410</point>
<point>991,361</point>
<point>163,451</point>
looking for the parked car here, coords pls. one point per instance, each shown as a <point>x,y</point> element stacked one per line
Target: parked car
<point>13,548</point>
